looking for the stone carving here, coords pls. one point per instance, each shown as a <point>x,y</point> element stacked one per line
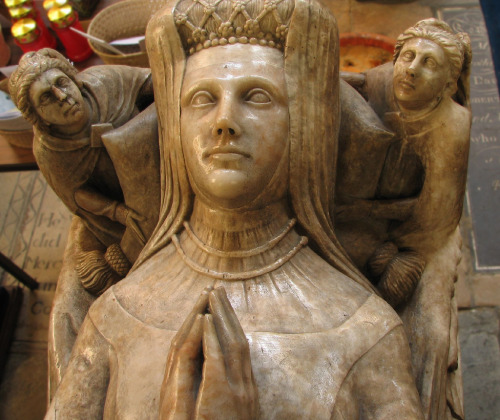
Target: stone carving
<point>71,112</point>
<point>423,98</point>
<point>289,201</point>
<point>249,104</point>
<point>101,157</point>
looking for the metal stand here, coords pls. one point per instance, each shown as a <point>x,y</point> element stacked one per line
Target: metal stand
<point>18,273</point>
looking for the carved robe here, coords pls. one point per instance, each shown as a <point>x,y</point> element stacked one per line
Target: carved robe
<point>431,153</point>
<point>321,345</point>
<point>70,164</point>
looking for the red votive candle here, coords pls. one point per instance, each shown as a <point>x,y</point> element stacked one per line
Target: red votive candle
<point>49,4</point>
<point>29,11</point>
<point>28,36</point>
<point>61,20</point>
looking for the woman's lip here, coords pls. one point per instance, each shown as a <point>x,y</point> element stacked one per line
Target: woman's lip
<point>406,84</point>
<point>226,153</point>
<point>227,156</point>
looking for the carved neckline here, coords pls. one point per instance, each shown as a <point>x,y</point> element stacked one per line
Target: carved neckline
<point>240,253</point>
<point>241,275</point>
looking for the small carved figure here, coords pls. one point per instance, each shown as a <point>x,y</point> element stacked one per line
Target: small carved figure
<point>423,98</point>
<point>70,112</point>
<point>248,134</point>
<point>101,157</point>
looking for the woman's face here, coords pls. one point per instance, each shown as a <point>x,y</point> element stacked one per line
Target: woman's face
<point>234,121</point>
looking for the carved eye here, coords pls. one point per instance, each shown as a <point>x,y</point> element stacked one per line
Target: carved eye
<point>408,55</point>
<point>45,98</point>
<point>258,96</point>
<point>62,81</point>
<point>202,98</point>
<point>430,62</point>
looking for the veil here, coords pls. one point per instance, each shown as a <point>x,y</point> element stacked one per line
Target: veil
<point>312,76</point>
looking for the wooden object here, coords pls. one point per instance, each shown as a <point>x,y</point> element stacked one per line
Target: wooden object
<point>15,158</point>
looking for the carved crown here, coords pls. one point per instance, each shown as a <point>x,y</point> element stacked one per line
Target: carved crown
<point>209,23</point>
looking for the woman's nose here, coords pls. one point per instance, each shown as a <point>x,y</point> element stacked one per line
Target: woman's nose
<point>226,121</point>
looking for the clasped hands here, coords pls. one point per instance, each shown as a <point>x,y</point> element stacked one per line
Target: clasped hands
<point>209,372</point>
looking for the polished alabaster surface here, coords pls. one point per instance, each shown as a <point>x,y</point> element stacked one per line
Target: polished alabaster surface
<point>306,242</point>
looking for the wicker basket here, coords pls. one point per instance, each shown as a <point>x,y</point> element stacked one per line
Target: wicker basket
<point>122,20</point>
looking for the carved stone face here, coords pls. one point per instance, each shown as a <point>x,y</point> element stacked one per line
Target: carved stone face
<point>58,101</point>
<point>234,121</point>
<point>421,74</point>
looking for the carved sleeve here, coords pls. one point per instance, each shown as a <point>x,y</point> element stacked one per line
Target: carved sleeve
<point>96,203</point>
<point>82,392</point>
<point>146,95</point>
<point>381,385</point>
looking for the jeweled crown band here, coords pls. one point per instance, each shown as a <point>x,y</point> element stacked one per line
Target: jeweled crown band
<point>209,23</point>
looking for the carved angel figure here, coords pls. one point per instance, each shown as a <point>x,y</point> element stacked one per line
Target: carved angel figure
<point>70,112</point>
<point>423,98</point>
<point>101,157</point>
<point>243,304</point>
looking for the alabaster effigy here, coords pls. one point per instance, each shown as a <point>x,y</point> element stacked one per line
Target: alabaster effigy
<point>100,154</point>
<point>402,230</point>
<point>269,239</point>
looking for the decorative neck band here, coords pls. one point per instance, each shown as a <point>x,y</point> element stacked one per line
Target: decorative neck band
<point>242,275</point>
<point>240,253</point>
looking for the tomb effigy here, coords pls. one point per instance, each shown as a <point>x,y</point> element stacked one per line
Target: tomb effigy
<point>296,253</point>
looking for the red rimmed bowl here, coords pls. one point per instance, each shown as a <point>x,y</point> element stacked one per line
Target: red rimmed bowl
<point>362,51</point>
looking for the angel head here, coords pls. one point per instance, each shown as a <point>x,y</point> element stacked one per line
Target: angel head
<point>431,61</point>
<point>46,90</point>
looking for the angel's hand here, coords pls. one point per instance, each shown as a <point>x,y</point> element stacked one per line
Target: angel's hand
<point>130,218</point>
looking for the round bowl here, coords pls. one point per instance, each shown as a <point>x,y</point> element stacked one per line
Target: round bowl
<point>362,51</point>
